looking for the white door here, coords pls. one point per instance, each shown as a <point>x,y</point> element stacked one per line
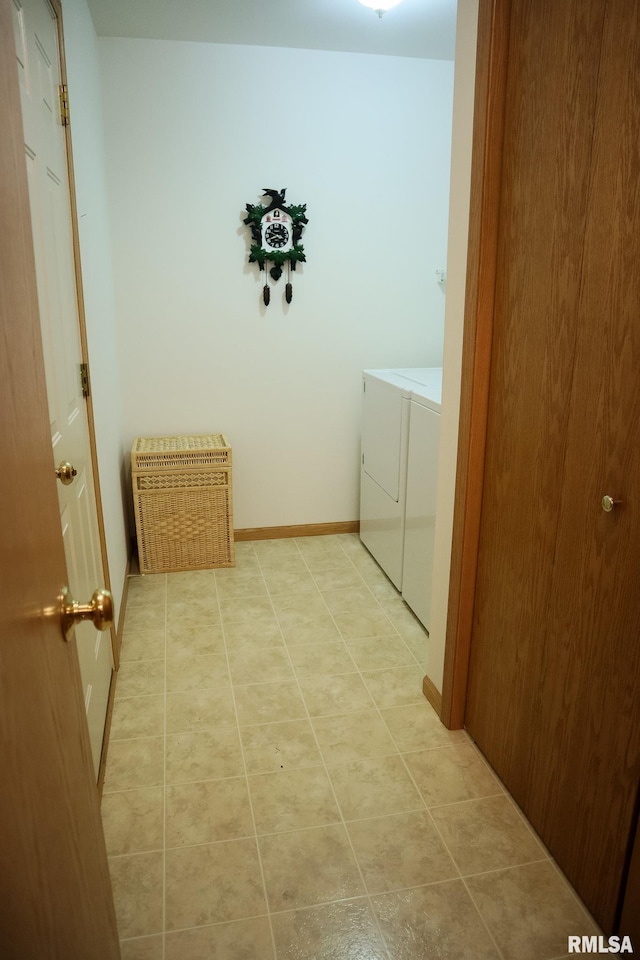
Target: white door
<point>36,34</point>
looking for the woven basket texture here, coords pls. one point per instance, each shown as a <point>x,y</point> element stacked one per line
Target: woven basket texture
<point>182,492</point>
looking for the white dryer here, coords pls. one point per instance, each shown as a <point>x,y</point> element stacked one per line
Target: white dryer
<point>385,444</point>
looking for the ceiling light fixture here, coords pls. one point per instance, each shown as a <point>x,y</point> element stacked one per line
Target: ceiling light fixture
<point>379,6</point>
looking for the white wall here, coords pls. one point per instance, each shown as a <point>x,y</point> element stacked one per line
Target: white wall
<point>464,88</point>
<point>193,132</point>
<point>95,251</point>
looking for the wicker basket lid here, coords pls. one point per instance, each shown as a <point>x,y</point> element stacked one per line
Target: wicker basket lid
<point>207,441</point>
<point>177,453</point>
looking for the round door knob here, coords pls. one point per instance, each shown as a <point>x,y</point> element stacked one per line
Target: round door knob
<point>608,503</point>
<point>99,611</point>
<point>66,472</point>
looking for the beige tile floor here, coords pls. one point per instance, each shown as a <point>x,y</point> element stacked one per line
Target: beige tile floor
<point>277,787</point>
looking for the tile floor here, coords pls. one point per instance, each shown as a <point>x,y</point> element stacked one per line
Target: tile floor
<point>277,787</point>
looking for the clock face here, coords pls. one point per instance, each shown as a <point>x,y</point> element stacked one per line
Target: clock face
<point>276,235</point>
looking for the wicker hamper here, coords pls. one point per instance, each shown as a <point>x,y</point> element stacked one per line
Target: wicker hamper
<point>182,502</point>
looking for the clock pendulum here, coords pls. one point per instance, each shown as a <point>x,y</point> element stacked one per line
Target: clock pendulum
<point>288,290</point>
<point>276,230</point>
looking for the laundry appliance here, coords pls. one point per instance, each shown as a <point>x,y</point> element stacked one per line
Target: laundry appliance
<point>420,504</point>
<point>386,438</point>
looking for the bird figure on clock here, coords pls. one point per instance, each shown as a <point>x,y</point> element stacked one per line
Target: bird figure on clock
<point>276,229</point>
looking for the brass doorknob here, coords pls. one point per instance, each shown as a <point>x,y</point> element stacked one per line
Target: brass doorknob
<point>99,611</point>
<point>66,472</point>
<point>608,503</point>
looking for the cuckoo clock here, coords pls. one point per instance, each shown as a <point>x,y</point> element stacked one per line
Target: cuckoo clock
<point>276,230</point>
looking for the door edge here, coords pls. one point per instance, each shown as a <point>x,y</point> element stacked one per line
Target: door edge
<point>486,169</point>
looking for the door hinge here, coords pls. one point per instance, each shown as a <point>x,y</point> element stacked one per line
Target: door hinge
<point>84,380</point>
<point>64,104</point>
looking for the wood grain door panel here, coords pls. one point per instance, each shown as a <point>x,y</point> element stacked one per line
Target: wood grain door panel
<point>589,731</point>
<point>545,168</point>
<point>554,691</point>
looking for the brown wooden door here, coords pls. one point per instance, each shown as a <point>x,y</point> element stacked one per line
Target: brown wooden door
<point>55,894</point>
<point>554,682</point>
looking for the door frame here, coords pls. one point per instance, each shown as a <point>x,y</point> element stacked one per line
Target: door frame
<point>486,170</point>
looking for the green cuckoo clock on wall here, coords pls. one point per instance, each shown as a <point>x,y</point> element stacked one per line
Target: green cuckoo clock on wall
<point>276,230</point>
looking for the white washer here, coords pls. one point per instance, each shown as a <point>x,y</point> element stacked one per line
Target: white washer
<point>420,505</point>
<point>383,478</point>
